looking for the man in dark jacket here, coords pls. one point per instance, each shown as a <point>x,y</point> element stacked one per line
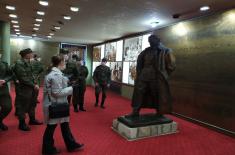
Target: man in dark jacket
<point>102,79</point>
<point>79,92</point>
<point>154,65</point>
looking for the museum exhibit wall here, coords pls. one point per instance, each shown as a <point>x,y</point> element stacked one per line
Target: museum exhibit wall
<point>204,81</point>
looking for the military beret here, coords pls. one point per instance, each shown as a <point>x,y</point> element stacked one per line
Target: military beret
<point>64,51</point>
<point>25,52</point>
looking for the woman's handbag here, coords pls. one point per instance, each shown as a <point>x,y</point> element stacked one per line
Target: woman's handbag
<point>58,110</point>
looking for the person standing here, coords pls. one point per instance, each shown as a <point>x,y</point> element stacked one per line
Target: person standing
<point>79,93</point>
<point>56,91</point>
<point>5,98</point>
<point>102,79</point>
<point>25,100</point>
<point>71,71</point>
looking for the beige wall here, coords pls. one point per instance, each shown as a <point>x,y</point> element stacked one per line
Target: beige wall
<point>43,48</point>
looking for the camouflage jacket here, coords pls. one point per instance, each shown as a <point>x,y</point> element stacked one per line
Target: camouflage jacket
<point>71,70</point>
<point>37,68</point>
<point>82,73</point>
<point>24,73</point>
<point>5,74</point>
<point>102,74</point>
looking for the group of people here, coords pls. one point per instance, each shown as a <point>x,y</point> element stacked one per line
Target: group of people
<point>26,75</point>
<point>66,79</point>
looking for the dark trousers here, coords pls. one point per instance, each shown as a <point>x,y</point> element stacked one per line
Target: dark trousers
<point>5,106</point>
<point>98,89</point>
<point>48,140</point>
<point>78,97</point>
<point>32,107</point>
<point>25,102</point>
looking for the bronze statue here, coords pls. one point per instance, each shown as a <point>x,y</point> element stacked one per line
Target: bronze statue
<point>154,65</point>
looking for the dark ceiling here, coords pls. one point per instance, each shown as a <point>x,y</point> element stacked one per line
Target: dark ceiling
<point>100,20</point>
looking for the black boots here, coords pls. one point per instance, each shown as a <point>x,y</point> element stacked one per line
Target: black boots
<point>3,127</point>
<point>23,126</point>
<point>75,147</point>
<point>35,122</point>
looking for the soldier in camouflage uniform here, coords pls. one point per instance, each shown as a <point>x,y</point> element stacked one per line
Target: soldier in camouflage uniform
<point>25,100</point>
<point>37,68</point>
<point>102,78</point>
<point>70,72</point>
<point>5,98</point>
<point>79,92</point>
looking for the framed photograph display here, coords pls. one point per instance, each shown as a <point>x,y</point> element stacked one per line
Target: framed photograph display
<point>125,75</point>
<point>97,53</point>
<point>132,73</point>
<point>132,48</point>
<point>110,51</point>
<point>145,41</point>
<point>116,71</point>
<point>119,50</point>
<point>79,50</point>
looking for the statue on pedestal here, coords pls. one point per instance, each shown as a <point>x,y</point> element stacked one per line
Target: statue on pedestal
<point>151,90</point>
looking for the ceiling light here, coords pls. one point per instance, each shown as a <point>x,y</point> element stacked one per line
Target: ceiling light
<point>57,27</point>
<point>74,9</point>
<point>16,26</point>
<point>204,8</point>
<point>154,24</point>
<point>14,21</point>
<point>41,13</point>
<point>34,35</point>
<point>17,30</point>
<point>36,28</point>
<point>36,25</point>
<point>44,3</point>
<point>10,7</point>
<point>51,34</point>
<point>12,15</point>
<point>38,20</point>
<point>67,17</point>
<point>18,33</point>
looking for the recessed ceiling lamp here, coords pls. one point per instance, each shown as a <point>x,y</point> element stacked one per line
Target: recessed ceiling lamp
<point>41,13</point>
<point>18,33</point>
<point>204,8</point>
<point>9,7</point>
<point>74,9</point>
<point>44,3</point>
<point>17,30</point>
<point>34,35</point>
<point>36,25</point>
<point>57,27</point>
<point>154,24</point>
<point>16,26</point>
<point>38,19</point>
<point>67,17</point>
<point>12,15</point>
<point>14,21</point>
<point>36,28</point>
<point>51,34</point>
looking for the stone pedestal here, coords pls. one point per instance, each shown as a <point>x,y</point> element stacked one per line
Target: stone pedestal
<point>138,128</point>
